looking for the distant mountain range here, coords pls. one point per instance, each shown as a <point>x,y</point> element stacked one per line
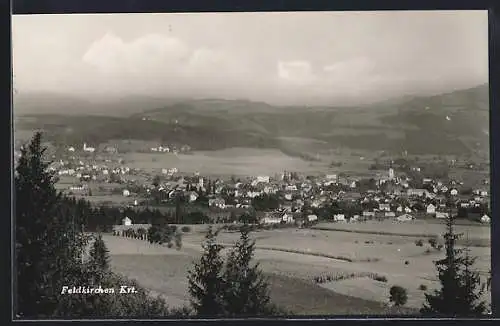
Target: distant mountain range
<point>451,123</point>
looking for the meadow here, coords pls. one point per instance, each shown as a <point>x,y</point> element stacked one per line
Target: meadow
<point>234,161</point>
<point>294,259</point>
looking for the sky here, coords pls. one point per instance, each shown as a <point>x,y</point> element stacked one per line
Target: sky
<point>286,58</point>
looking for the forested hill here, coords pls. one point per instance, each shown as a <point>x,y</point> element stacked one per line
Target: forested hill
<point>454,123</point>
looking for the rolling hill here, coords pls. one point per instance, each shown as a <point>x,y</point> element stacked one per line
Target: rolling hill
<point>451,123</point>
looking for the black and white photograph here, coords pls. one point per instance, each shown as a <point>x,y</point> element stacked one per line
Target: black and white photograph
<point>251,164</point>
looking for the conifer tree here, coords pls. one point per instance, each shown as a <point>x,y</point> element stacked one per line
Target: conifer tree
<point>206,279</point>
<point>99,255</point>
<point>246,291</point>
<point>48,242</point>
<point>460,285</point>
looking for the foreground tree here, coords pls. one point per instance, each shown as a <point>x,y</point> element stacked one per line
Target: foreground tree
<point>50,248</point>
<point>99,258</point>
<point>460,291</point>
<point>206,279</point>
<point>246,291</point>
<point>48,240</point>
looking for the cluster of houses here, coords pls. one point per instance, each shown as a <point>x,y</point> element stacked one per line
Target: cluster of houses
<point>399,201</point>
<point>390,197</point>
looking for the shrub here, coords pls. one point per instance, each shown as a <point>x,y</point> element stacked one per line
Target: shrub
<point>380,278</point>
<point>356,241</point>
<point>422,287</point>
<point>433,242</point>
<point>427,251</point>
<point>170,245</point>
<point>419,243</point>
<point>186,229</point>
<point>439,247</point>
<point>398,295</point>
<point>407,262</point>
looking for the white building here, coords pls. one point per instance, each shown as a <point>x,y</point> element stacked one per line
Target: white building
<point>339,217</point>
<point>453,192</point>
<point>126,193</point>
<point>287,218</point>
<point>88,149</point>
<point>431,209</point>
<point>270,220</point>
<point>331,177</point>
<point>354,218</point>
<point>391,173</point>
<point>193,196</point>
<point>312,218</point>
<point>485,219</point>
<point>263,179</point>
<point>127,221</point>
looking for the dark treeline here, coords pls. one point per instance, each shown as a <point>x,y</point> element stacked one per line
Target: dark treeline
<point>103,218</point>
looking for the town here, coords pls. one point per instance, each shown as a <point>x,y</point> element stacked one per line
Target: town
<point>401,192</point>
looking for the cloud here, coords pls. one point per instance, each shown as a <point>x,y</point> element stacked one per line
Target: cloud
<point>148,54</point>
<point>296,72</point>
<point>154,62</point>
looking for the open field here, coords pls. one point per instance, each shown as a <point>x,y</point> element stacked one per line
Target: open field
<point>416,228</point>
<point>251,162</point>
<point>235,161</point>
<point>293,274</point>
